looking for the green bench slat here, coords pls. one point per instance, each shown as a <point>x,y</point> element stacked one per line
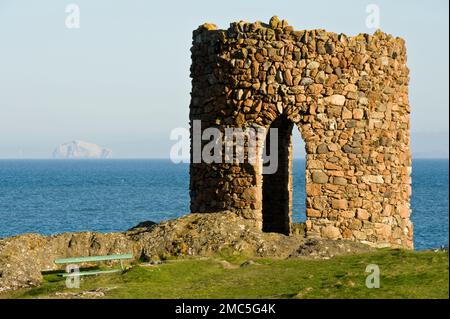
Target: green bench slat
<point>92,259</point>
<point>93,272</point>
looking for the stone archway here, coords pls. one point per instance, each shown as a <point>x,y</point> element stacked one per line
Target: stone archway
<point>277,185</point>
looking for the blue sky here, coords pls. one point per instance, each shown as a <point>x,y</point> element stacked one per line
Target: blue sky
<point>122,79</point>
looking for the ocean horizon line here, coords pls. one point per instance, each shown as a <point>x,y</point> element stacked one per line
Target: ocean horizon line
<point>149,158</point>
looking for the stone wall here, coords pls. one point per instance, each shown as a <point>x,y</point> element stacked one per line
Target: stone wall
<point>348,96</point>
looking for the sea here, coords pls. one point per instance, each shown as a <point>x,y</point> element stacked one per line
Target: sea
<point>54,196</point>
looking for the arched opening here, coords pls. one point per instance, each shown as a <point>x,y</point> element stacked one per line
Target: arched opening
<point>298,184</point>
<point>277,178</point>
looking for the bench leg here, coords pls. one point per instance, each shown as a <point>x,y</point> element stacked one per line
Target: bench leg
<point>121,265</point>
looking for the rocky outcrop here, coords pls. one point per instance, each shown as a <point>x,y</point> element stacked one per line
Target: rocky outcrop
<point>20,261</point>
<point>24,257</point>
<point>81,150</point>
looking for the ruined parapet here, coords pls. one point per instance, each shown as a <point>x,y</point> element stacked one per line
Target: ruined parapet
<point>348,96</point>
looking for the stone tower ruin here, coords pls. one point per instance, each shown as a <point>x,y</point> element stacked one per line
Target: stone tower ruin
<point>348,97</point>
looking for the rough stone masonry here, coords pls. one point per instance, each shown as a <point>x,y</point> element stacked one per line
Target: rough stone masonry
<point>348,96</point>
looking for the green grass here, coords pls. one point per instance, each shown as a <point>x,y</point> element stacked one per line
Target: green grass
<point>403,275</point>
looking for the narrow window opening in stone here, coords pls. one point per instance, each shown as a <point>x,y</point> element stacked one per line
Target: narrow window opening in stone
<point>277,186</point>
<point>298,184</point>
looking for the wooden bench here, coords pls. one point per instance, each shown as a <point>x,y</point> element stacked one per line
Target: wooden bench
<point>89,259</point>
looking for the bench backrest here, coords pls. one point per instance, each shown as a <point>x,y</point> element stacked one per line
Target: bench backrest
<point>92,259</point>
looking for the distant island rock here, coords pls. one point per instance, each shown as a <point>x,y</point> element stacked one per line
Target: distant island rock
<point>81,150</point>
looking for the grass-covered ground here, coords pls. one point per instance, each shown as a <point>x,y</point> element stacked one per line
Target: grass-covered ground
<point>402,275</point>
